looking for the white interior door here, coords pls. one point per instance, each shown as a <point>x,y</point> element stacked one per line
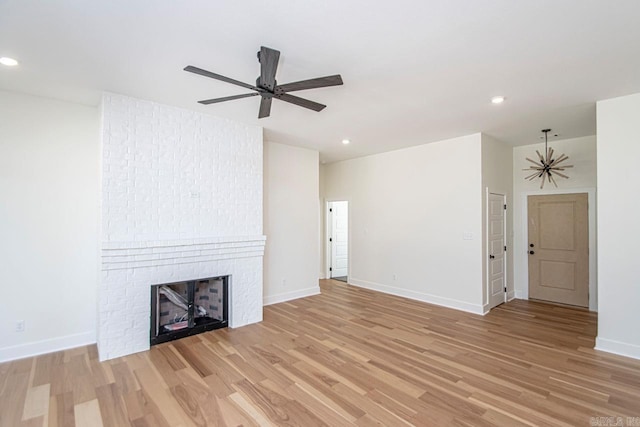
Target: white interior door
<point>339,238</point>
<point>496,248</point>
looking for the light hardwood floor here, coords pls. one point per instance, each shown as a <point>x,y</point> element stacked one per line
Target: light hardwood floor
<point>346,357</point>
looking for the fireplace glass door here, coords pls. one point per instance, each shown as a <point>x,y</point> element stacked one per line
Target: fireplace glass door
<point>188,308</point>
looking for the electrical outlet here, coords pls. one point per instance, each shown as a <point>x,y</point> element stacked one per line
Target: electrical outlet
<point>394,277</point>
<point>20,326</point>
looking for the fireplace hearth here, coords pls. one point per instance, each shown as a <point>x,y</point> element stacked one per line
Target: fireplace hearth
<point>187,308</point>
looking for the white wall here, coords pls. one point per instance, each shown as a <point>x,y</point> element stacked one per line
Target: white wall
<point>291,223</point>
<point>618,225</point>
<point>497,177</point>
<point>171,173</point>
<point>408,211</point>
<point>582,179</point>
<point>49,174</point>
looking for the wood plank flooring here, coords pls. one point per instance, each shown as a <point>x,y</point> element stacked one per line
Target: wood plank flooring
<point>346,357</point>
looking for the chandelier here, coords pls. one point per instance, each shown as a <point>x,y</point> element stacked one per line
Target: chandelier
<point>548,167</point>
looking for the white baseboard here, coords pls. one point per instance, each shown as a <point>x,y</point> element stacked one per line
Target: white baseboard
<point>419,296</point>
<point>46,346</point>
<point>288,296</point>
<point>521,294</point>
<point>618,347</point>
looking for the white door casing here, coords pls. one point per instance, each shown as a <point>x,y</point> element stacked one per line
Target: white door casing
<point>496,255</point>
<point>339,238</point>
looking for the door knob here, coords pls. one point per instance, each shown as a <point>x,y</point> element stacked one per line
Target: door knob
<point>530,244</point>
<point>491,257</point>
<point>531,252</point>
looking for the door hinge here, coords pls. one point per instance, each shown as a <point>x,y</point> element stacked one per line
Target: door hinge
<point>330,210</point>
<point>330,239</point>
<point>505,207</point>
<point>505,289</point>
<point>330,269</point>
<point>505,249</point>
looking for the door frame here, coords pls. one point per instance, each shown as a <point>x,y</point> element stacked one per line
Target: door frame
<point>487,249</point>
<point>523,254</point>
<point>327,235</point>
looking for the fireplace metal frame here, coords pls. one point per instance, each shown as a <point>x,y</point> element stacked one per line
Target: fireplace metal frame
<point>193,327</point>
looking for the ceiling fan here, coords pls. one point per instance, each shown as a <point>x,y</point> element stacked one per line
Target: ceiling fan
<point>267,87</point>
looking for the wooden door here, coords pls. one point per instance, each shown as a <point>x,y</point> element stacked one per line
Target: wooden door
<point>559,248</point>
<point>496,248</point>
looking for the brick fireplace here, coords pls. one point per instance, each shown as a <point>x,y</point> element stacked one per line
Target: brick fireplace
<point>181,200</point>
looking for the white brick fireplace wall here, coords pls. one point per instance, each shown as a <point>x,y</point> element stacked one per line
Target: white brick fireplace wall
<point>181,200</point>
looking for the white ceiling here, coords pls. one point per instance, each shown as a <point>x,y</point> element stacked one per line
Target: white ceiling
<point>415,71</point>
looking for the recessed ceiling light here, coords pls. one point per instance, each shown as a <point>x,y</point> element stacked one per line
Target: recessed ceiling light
<point>497,99</point>
<point>345,141</point>
<point>9,62</point>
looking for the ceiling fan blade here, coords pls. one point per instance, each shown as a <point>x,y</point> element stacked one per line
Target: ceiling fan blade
<point>227,98</point>
<point>206,73</point>
<point>301,102</point>
<point>312,83</point>
<point>265,107</point>
<point>268,66</point>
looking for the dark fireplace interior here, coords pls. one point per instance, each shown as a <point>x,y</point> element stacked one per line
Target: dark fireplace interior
<point>188,308</point>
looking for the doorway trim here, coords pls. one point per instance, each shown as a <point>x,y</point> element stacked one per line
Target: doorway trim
<point>327,235</point>
<point>505,264</point>
<point>522,254</point>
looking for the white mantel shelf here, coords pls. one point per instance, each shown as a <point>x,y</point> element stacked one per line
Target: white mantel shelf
<point>124,255</point>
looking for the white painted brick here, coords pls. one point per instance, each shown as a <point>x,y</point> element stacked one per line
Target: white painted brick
<point>181,200</point>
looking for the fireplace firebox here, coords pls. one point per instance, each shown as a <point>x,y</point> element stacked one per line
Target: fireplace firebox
<point>187,308</point>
